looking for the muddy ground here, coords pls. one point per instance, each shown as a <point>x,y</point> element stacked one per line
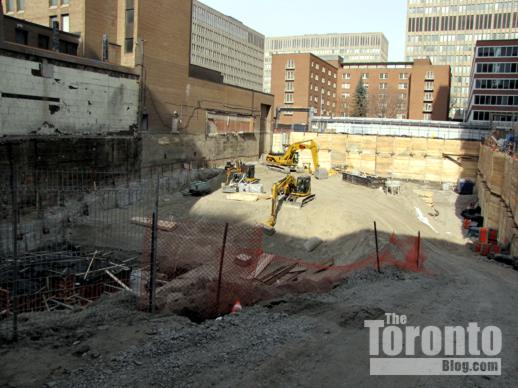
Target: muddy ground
<point>306,340</point>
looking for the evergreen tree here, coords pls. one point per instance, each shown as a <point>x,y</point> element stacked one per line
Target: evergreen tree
<point>360,100</point>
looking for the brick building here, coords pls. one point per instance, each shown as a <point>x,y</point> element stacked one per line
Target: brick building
<point>303,81</point>
<point>406,90</point>
<point>187,112</point>
<point>493,93</point>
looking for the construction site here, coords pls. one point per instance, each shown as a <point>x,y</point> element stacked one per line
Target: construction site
<point>258,271</point>
<point>161,226</point>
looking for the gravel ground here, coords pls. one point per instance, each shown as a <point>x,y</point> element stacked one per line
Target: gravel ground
<point>307,340</point>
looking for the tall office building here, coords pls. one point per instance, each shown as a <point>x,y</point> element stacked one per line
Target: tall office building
<point>352,47</point>
<point>446,31</point>
<point>222,43</point>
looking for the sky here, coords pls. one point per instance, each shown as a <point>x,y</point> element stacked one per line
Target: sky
<point>296,17</point>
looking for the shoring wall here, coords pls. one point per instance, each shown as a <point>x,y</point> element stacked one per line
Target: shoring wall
<point>391,156</point>
<point>497,184</point>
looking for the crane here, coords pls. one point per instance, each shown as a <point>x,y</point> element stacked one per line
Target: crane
<point>294,191</point>
<point>288,161</point>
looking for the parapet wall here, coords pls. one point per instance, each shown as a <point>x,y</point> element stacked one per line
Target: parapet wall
<point>497,184</point>
<point>412,158</point>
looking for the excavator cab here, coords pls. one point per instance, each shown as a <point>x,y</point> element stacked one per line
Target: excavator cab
<point>303,185</point>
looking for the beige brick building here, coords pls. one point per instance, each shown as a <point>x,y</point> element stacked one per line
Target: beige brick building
<point>187,111</point>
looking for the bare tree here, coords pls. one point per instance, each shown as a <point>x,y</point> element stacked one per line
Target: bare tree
<point>386,104</point>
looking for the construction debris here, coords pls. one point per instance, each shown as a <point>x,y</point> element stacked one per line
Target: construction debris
<point>166,226</point>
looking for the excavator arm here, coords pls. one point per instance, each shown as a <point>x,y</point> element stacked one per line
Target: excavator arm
<point>287,161</point>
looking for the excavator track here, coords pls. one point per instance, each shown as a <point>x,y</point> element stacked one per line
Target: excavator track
<point>298,202</point>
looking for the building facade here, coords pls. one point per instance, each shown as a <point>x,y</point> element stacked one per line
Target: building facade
<point>446,31</point>
<point>302,84</point>
<point>352,47</point>
<point>493,96</point>
<point>36,35</point>
<point>186,111</point>
<point>400,90</point>
<point>224,44</point>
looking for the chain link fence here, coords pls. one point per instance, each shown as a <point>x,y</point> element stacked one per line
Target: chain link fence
<point>67,238</point>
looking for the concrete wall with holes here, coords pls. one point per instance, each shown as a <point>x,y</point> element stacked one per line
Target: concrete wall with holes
<point>48,96</point>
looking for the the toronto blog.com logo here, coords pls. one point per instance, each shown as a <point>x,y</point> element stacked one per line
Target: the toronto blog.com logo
<point>397,348</point>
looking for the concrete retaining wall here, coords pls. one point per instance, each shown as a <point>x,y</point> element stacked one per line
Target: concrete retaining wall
<point>498,194</point>
<point>44,97</point>
<point>390,156</point>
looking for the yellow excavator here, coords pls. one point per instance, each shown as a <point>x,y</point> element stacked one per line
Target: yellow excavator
<point>294,192</point>
<point>288,161</point>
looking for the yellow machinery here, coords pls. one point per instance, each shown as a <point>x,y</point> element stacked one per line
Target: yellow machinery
<point>288,161</point>
<point>292,191</point>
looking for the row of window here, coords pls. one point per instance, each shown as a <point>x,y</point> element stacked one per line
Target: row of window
<point>507,51</point>
<point>494,116</point>
<point>504,67</point>
<point>44,42</point>
<point>19,5</point>
<point>382,85</point>
<point>463,22</point>
<point>496,100</point>
<point>496,84</point>
<point>364,76</point>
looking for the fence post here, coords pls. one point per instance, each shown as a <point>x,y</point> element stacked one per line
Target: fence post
<point>377,247</point>
<point>154,237</point>
<point>418,254</point>
<point>220,275</point>
<point>15,221</point>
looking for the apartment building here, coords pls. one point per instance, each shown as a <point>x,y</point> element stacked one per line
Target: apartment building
<point>404,90</point>
<point>493,96</point>
<point>352,47</point>
<point>303,84</point>
<point>186,111</point>
<point>446,32</point>
<point>222,43</point>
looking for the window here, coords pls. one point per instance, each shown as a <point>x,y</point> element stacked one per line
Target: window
<point>290,75</point>
<point>403,75</point>
<point>43,41</point>
<point>20,5</point>
<point>129,24</point>
<point>288,98</point>
<point>65,2</point>
<point>428,96</point>
<point>289,87</point>
<point>427,107</point>
<point>290,64</point>
<point>9,6</point>
<point>21,36</point>
<point>53,3</point>
<point>346,76</point>
<point>427,116</point>
<point>428,85</point>
<point>401,116</point>
<point>403,86</point>
<point>65,23</point>
<point>53,20</point>
<point>383,85</point>
<point>365,75</point>
<point>346,86</point>
<point>383,75</point>
<point>430,75</point>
